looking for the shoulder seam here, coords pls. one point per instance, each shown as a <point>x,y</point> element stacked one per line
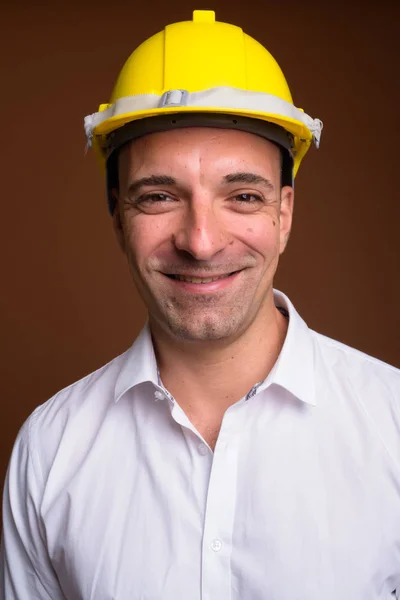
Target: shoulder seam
<point>83,380</point>
<point>354,351</point>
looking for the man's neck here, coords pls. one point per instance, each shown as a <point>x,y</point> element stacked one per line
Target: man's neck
<point>216,375</point>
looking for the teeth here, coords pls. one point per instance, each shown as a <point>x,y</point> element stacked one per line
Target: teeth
<point>199,279</point>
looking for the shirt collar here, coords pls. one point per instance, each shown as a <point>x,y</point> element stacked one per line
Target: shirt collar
<point>139,364</point>
<point>293,370</point>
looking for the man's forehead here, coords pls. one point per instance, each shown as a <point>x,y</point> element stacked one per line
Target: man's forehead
<point>196,136</point>
<point>205,145</point>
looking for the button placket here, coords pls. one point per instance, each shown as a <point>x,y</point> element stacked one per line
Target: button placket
<point>220,510</point>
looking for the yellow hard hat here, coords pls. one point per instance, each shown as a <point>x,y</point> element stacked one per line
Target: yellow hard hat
<point>201,72</point>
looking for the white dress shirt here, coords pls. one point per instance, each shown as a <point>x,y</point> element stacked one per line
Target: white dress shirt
<point>112,494</point>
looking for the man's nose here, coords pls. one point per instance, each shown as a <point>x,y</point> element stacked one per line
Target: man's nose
<point>201,232</point>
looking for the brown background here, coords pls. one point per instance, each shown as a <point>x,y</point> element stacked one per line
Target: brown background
<point>67,303</point>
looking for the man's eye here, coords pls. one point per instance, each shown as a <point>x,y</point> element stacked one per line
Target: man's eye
<point>154,197</point>
<point>248,198</point>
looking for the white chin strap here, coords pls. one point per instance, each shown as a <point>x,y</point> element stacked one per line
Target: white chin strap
<point>215,98</point>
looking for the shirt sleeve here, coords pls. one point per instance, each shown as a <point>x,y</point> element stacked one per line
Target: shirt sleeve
<point>26,572</point>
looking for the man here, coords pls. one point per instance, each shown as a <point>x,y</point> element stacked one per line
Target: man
<point>231,452</point>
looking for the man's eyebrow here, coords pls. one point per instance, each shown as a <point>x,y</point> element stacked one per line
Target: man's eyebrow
<point>150,181</point>
<point>248,178</point>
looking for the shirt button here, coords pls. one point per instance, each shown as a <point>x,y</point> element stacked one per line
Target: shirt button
<point>159,395</point>
<point>216,545</point>
<point>203,450</point>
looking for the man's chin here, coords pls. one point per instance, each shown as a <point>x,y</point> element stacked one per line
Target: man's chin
<point>202,330</point>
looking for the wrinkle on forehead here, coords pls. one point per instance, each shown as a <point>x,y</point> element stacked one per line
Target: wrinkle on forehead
<point>195,153</point>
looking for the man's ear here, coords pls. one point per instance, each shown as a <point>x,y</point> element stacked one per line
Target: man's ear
<point>117,220</point>
<point>286,215</point>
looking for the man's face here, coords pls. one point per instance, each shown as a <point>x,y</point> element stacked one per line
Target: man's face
<point>202,220</point>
